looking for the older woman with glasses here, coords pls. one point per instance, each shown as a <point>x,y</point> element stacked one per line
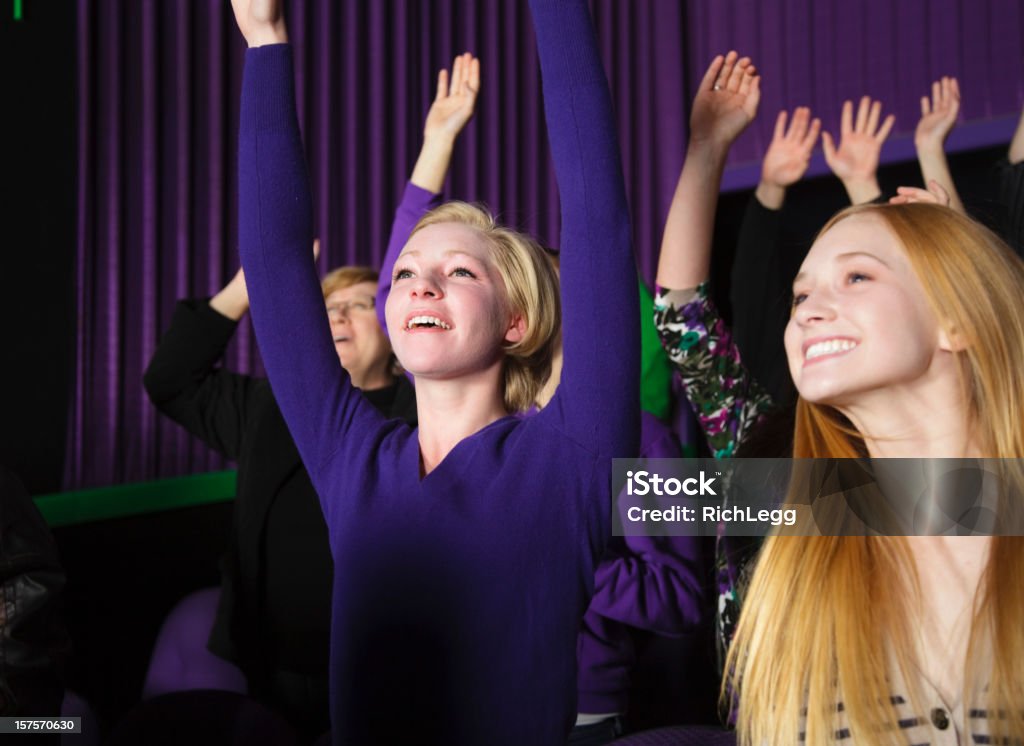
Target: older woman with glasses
<point>274,628</point>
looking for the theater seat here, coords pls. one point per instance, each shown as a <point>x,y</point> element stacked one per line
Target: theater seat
<point>201,717</point>
<point>74,705</point>
<point>180,660</point>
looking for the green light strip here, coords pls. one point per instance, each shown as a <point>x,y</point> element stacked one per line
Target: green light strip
<point>84,506</point>
<point>17,10</point>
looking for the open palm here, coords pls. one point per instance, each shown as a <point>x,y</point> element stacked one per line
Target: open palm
<point>726,101</point>
<point>860,146</point>
<point>455,100</point>
<point>938,115</point>
<point>790,150</point>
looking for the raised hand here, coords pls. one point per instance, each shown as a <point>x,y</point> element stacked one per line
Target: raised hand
<point>453,106</point>
<point>938,115</point>
<point>455,100</point>
<point>725,104</point>
<point>855,160</point>
<point>260,21</point>
<point>935,195</point>
<point>788,155</point>
<point>726,101</point>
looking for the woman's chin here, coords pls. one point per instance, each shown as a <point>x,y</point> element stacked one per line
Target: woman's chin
<point>825,393</point>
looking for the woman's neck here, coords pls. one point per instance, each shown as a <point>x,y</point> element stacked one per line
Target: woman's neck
<point>927,418</point>
<point>451,410</point>
<point>372,380</point>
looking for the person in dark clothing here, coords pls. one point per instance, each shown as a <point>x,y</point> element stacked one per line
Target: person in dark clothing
<point>759,292</point>
<point>274,628</point>
<point>1010,190</point>
<point>33,638</point>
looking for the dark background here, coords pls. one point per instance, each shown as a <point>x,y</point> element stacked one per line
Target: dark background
<point>37,220</point>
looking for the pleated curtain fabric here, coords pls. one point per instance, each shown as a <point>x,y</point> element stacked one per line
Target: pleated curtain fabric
<point>158,90</point>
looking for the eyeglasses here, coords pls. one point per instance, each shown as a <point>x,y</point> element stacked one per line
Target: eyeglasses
<point>345,309</point>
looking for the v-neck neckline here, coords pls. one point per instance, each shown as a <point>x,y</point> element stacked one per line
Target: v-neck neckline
<point>452,457</point>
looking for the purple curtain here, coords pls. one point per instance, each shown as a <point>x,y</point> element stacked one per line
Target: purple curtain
<point>819,53</point>
<point>158,97</point>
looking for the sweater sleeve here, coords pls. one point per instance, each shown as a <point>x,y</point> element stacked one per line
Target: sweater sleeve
<point>760,298</point>
<point>275,231</point>
<point>658,583</point>
<point>416,202</point>
<point>597,400</point>
<point>1010,184</point>
<point>184,384</point>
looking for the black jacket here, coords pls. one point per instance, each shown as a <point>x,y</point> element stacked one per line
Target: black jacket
<point>33,639</point>
<point>238,416</point>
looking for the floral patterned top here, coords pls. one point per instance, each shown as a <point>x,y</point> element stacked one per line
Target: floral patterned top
<point>728,403</point>
<point>724,396</point>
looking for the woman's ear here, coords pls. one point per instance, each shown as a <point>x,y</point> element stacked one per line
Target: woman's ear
<point>516,329</point>
<point>951,340</point>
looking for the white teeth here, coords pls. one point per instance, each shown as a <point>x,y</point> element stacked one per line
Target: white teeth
<point>829,347</point>
<point>425,321</point>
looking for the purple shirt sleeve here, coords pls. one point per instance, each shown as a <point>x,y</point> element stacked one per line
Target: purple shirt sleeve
<point>416,202</point>
<point>598,401</point>
<point>659,585</point>
<point>275,229</point>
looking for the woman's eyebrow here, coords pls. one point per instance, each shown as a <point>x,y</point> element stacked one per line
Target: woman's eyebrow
<point>459,252</point>
<point>844,256</point>
<point>868,254</point>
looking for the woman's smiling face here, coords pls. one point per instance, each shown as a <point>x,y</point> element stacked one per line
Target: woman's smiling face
<point>447,313</point>
<point>861,321</point>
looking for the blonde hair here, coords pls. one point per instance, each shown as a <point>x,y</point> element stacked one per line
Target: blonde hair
<point>824,616</point>
<point>531,290</point>
<point>344,277</point>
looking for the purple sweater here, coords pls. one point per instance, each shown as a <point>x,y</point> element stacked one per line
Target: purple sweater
<point>655,584</point>
<point>457,597</point>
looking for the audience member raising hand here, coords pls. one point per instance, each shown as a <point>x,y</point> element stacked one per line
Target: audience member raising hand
<point>788,155</point>
<point>440,585</point>
<point>855,159</point>
<point>938,116</point>
<point>725,104</point>
<point>726,101</point>
<point>452,108</point>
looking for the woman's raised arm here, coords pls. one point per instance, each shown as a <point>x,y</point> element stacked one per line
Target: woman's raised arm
<point>275,232</point>
<point>600,376</point>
